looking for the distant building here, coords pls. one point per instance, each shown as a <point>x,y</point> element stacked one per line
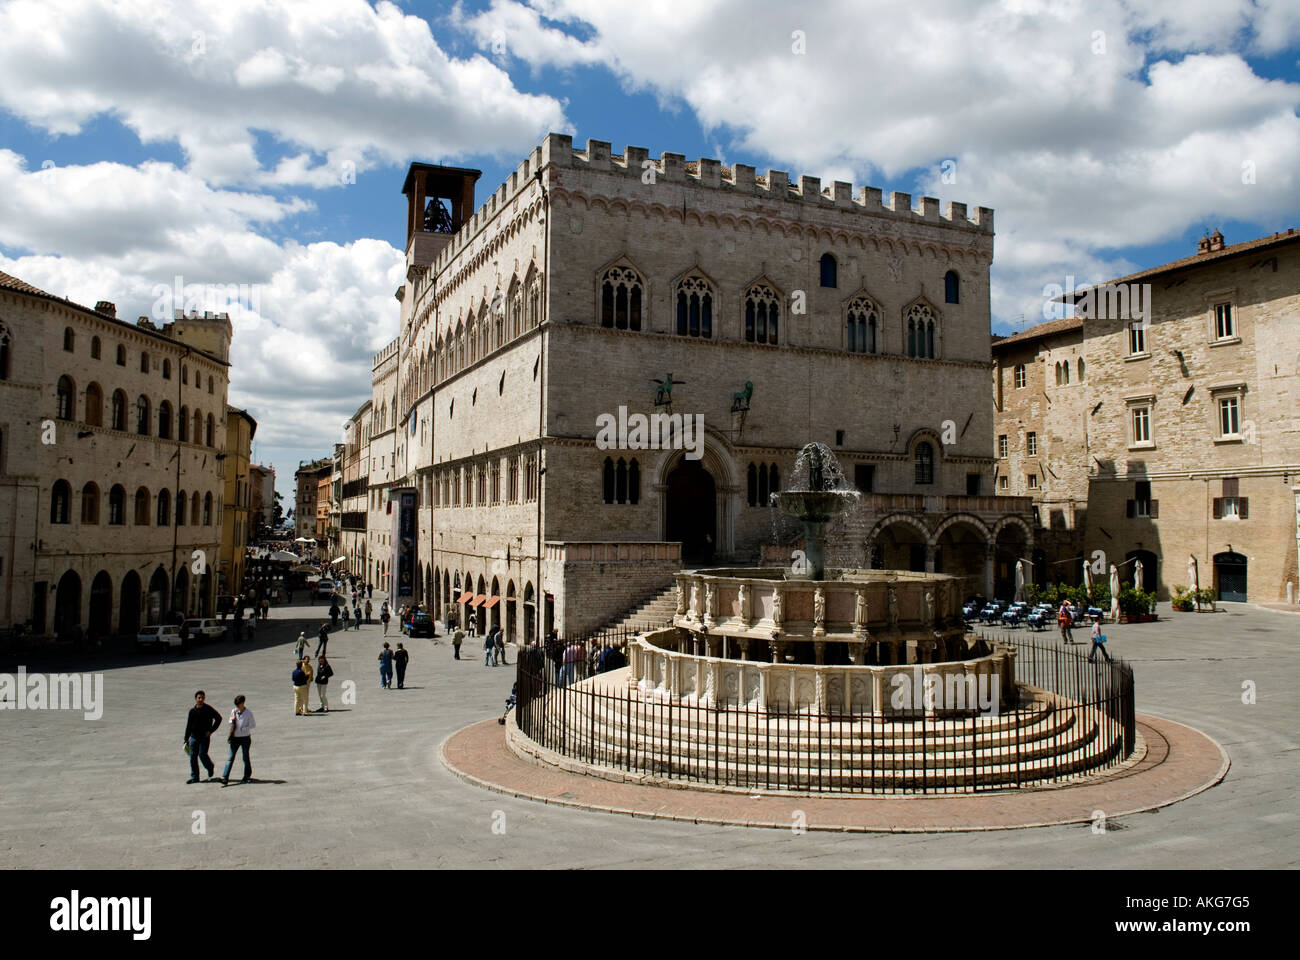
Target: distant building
<point>236,517</point>
<point>307,481</point>
<point>262,509</point>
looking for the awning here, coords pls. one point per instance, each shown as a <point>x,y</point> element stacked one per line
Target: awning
<point>304,540</point>
<point>468,594</point>
<point>491,602</point>
<point>478,601</point>
<point>337,560</point>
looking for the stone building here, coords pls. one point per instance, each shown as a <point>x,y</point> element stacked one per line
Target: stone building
<point>236,512</point>
<point>306,480</point>
<point>752,313</point>
<point>263,492</point>
<point>1164,421</point>
<point>110,480</point>
<point>354,491</point>
<point>383,465</point>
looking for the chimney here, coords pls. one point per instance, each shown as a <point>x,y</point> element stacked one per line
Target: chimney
<point>106,308</point>
<point>1216,241</point>
<point>1203,245</point>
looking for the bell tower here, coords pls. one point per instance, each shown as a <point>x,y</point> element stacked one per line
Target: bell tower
<point>438,202</point>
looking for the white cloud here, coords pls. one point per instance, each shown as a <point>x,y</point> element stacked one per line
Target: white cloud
<point>369,85</point>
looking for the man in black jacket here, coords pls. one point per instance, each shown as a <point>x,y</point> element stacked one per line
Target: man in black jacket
<point>203,720</point>
<point>400,658</point>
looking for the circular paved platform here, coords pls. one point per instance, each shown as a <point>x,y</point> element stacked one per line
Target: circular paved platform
<point>1180,762</point>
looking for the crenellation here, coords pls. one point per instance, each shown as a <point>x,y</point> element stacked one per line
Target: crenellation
<point>810,189</point>
<point>984,219</point>
<point>743,177</point>
<point>778,184</point>
<point>929,208</point>
<point>710,173</point>
<point>672,167</point>
<point>872,198</point>
<point>956,211</point>
<point>556,150</point>
<point>900,202</point>
<point>842,194</point>
<point>634,159</point>
<point>598,152</point>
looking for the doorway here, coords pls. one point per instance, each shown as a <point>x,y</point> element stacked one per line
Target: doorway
<point>1230,575</point>
<point>692,511</point>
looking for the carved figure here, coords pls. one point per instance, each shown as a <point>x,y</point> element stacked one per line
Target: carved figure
<point>893,609</point>
<point>777,602</point>
<point>819,606</point>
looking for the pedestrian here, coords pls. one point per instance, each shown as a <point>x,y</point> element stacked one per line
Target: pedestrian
<point>370,590</point>
<point>252,628</point>
<point>1098,641</point>
<point>345,615</point>
<point>383,616</point>
<point>323,673</point>
<point>240,739</point>
<point>334,615</point>
<point>500,638</point>
<point>201,723</point>
<point>356,618</point>
<point>185,635</point>
<point>300,647</point>
<point>322,638</point>
<point>290,592</point>
<point>369,612</point>
<point>399,659</point>
<point>386,667</point>
<point>266,608</point>
<point>457,639</point>
<point>301,679</point>
<point>1066,621</point>
<point>489,651</point>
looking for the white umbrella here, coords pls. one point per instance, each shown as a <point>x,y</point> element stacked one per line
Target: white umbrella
<point>1114,592</point>
<point>1137,574</point>
<point>1193,575</point>
<point>338,560</point>
<point>304,540</point>
<point>1087,577</point>
<point>1020,580</point>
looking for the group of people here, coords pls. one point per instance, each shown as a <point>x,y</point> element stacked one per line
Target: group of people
<point>337,612</point>
<point>1065,619</point>
<point>303,676</point>
<point>202,722</point>
<point>388,659</point>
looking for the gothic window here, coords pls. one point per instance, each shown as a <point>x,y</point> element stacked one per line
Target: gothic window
<point>183,425</point>
<point>762,313</point>
<point>515,309</point>
<point>951,287</point>
<point>512,479</point>
<point>90,504</point>
<point>198,426</point>
<point>60,498</point>
<point>207,509</point>
<point>1081,370</point>
<point>164,508</point>
<point>117,506</point>
<point>118,410</point>
<point>65,397</point>
<point>695,307</point>
<point>142,415</point>
<point>862,326</point>
<point>920,325</point>
<point>763,480</point>
<point>142,507</point>
<point>923,458</point>
<point>608,484</point>
<point>829,271</point>
<point>633,481</point>
<point>210,384</point>
<point>164,421</point>
<point>535,303</point>
<point>69,342</point>
<point>194,509</point>
<point>1065,373</point>
<point>494,483</point>
<point>752,478</point>
<point>94,405</point>
<point>773,478</point>
<point>620,481</point>
<point>621,292</point>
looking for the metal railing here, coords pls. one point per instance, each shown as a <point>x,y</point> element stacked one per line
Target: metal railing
<point>1067,717</point>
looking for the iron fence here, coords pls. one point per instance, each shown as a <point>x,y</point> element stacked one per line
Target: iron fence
<point>1066,717</point>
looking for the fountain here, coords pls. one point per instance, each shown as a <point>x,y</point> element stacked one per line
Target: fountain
<point>818,494</point>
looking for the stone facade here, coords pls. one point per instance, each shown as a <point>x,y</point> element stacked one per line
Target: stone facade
<point>110,487</point>
<point>782,314</point>
<point>307,480</point>
<point>383,465</point>
<point>1183,438</point>
<point>237,507</point>
<point>354,543</point>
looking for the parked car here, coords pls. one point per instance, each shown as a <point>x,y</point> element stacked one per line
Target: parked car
<point>421,625</point>
<point>324,589</point>
<point>164,635</point>
<point>206,629</point>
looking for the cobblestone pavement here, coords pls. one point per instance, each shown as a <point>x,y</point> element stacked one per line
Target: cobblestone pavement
<point>362,786</point>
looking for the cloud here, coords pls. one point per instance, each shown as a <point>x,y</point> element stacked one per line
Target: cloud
<point>337,81</point>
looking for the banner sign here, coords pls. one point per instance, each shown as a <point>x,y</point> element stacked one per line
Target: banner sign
<point>405,523</point>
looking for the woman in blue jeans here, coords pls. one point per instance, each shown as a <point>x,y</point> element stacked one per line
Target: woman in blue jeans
<point>386,667</point>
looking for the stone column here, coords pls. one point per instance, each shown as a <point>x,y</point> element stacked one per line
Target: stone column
<point>877,693</point>
<point>819,652</point>
<point>989,550</point>
<point>929,558</point>
<point>744,647</point>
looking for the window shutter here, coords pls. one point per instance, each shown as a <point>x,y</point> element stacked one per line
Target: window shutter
<point>1132,509</point>
<point>1154,510</point>
<point>1243,508</point>
<point>1231,487</point>
<point>1218,508</point>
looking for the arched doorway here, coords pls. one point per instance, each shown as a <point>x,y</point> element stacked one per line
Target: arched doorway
<point>480,615</point>
<point>181,594</point>
<point>692,505</point>
<point>494,598</point>
<point>101,605</point>
<point>205,593</point>
<point>960,548</point>
<point>511,624</point>
<point>530,615</point>
<point>435,611</point>
<point>1010,546</point>
<point>67,607</point>
<point>1150,575</point>
<point>1229,576</point>
<point>157,597</point>
<point>128,610</point>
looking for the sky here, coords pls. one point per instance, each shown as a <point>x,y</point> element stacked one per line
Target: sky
<point>257,149</point>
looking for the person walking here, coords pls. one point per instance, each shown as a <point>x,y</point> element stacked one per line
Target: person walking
<point>301,679</point>
<point>457,639</point>
<point>499,639</point>
<point>323,673</point>
<point>300,648</point>
<point>356,618</point>
<point>369,612</point>
<point>201,723</point>
<point>334,615</point>
<point>489,651</point>
<point>322,638</point>
<point>346,615</point>
<point>266,609</point>
<point>400,659</point>
<point>383,615</point>
<point>386,667</point>
<point>240,739</point>
<point>1098,642</point>
<point>1066,621</point>
<point>370,590</point>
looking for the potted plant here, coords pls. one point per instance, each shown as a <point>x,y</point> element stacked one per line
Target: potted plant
<point>1135,606</point>
<point>1184,600</point>
<point>1204,599</point>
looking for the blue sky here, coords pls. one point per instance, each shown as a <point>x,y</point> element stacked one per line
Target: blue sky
<point>243,142</point>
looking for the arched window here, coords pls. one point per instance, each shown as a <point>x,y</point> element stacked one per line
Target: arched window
<point>94,405</point>
<point>207,509</point>
<point>751,476</point>
<point>207,431</point>
<point>194,509</point>
<point>1081,369</point>
<point>951,287</point>
<point>183,425</point>
<point>1065,373</point>
<point>921,322</point>
<point>620,481</point>
<point>621,292</point>
<point>164,421</point>
<point>121,355</point>
<point>69,343</point>
<point>185,375</point>
<point>1057,368</point>
<point>634,481</point>
<point>535,305</point>
<point>695,307</point>
<point>167,369</point>
<point>142,507</point>
<point>210,383</point>
<point>60,497</point>
<point>762,313</point>
<point>862,325</point>
<point>515,309</point>
<point>144,361</point>
<point>94,348</point>
<point>117,506</point>
<point>142,415</point>
<point>764,494</point>
<point>924,461</point>
<point>829,271</point>
<point>180,509</point>
<point>198,426</point>
<point>773,479</point>
<point>164,508</point>
<point>90,504</point>
<point>607,477</point>
<point>65,398</point>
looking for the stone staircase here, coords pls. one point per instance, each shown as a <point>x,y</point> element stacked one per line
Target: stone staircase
<point>650,614</point>
<point>1045,739</point>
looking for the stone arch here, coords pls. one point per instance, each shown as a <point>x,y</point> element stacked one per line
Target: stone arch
<point>904,518</point>
<point>966,518</point>
<point>1009,520</point>
<point>904,553</point>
